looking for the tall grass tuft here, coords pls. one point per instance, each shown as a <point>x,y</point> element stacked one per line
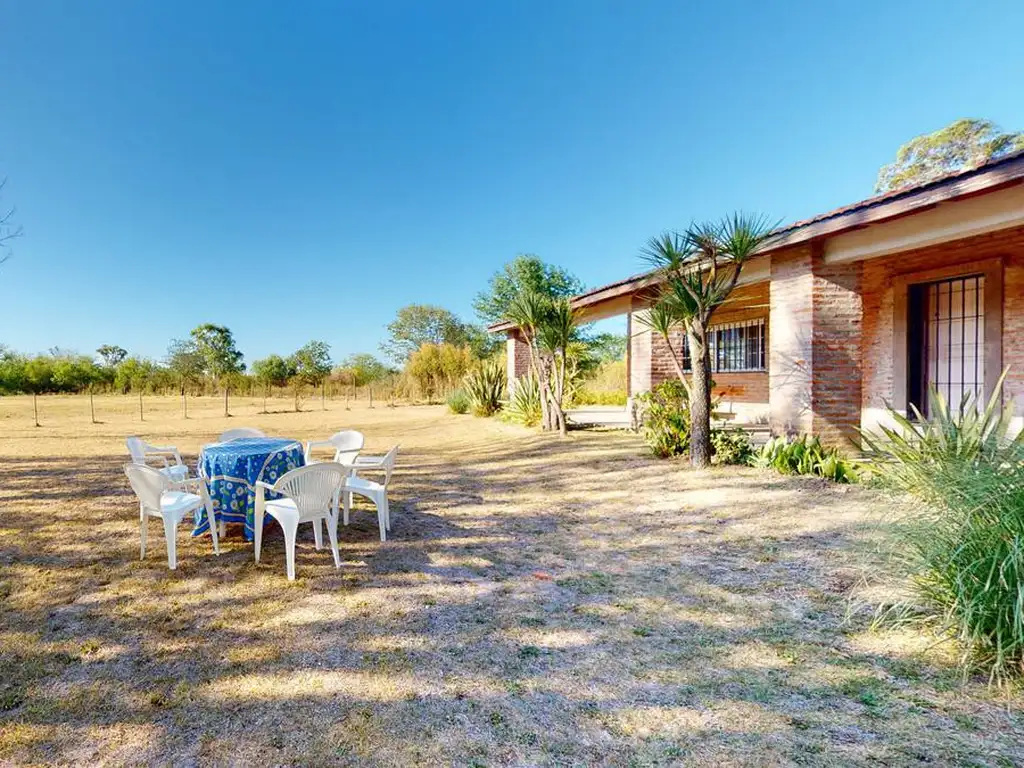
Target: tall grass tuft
<point>963,549</point>
<point>458,402</point>
<point>524,402</point>
<point>485,387</point>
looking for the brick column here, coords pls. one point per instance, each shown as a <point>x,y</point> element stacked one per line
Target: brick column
<point>790,320</point>
<point>639,353</point>
<point>517,356</point>
<point>814,363</point>
<point>837,354</point>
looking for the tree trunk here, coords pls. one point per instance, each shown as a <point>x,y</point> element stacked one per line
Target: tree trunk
<point>323,395</point>
<point>184,402</point>
<point>700,398</point>
<point>92,408</point>
<point>141,417</point>
<point>35,408</point>
<point>297,409</point>
<point>371,395</point>
<point>265,399</point>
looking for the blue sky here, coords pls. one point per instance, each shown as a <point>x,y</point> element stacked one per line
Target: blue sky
<point>300,170</point>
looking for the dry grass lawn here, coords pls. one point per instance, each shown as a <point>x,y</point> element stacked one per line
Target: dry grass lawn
<point>542,602</point>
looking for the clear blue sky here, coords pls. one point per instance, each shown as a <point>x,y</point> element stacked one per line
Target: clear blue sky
<point>301,170</point>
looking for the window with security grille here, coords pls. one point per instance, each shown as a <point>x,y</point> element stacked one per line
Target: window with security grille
<point>946,341</point>
<point>735,347</point>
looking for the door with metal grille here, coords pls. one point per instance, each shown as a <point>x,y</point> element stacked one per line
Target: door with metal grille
<point>950,354</point>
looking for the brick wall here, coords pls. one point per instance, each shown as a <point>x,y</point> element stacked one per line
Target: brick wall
<point>879,319</point>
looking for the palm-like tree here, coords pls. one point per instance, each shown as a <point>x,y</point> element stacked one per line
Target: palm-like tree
<point>699,269</point>
<point>546,325</point>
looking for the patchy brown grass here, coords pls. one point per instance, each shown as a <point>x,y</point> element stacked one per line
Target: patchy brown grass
<point>542,602</point>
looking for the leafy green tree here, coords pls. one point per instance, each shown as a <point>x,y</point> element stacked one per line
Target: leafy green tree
<point>548,327</point>
<point>699,270</point>
<point>72,373</point>
<point>606,347</point>
<point>419,324</point>
<point>12,371</point>
<point>481,343</point>
<point>312,363</point>
<point>272,371</point>
<point>112,355</point>
<point>524,274</point>
<point>133,374</point>
<point>221,359</point>
<point>363,369</point>
<point>186,364</point>
<point>961,145</point>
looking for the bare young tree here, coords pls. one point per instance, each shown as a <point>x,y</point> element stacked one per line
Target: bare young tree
<point>8,229</point>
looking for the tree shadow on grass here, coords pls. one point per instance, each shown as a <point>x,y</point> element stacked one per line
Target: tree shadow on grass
<point>538,602</point>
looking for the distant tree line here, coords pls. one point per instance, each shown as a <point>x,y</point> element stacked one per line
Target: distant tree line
<point>206,362</point>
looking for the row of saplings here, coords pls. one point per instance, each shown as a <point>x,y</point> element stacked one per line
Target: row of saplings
<point>961,551</point>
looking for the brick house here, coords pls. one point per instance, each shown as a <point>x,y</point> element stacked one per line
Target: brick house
<point>861,307</point>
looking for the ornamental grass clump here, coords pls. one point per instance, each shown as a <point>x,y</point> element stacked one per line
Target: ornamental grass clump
<point>458,402</point>
<point>805,455</point>
<point>963,547</point>
<point>485,387</point>
<point>523,405</point>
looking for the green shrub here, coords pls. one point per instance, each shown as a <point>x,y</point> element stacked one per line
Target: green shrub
<point>458,402</point>
<point>963,549</point>
<point>524,402</point>
<point>731,446</point>
<point>664,418</point>
<point>485,387</point>
<point>805,455</point>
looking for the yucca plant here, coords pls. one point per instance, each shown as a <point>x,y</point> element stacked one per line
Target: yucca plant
<point>523,405</point>
<point>485,387</point>
<point>963,549</point>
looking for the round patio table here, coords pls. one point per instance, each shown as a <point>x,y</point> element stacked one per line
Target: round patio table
<point>231,470</point>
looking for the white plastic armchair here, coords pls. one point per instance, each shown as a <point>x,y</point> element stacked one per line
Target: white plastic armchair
<point>310,495</point>
<point>346,445</point>
<point>373,464</point>
<point>141,452</point>
<point>377,492</point>
<point>159,496</point>
<point>235,434</point>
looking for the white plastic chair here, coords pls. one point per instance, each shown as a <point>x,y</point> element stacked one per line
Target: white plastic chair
<point>346,445</point>
<point>375,492</point>
<point>159,496</point>
<point>234,434</point>
<point>141,452</point>
<point>311,495</point>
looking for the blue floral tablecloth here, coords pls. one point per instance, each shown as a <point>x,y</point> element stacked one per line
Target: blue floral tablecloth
<point>231,470</point>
